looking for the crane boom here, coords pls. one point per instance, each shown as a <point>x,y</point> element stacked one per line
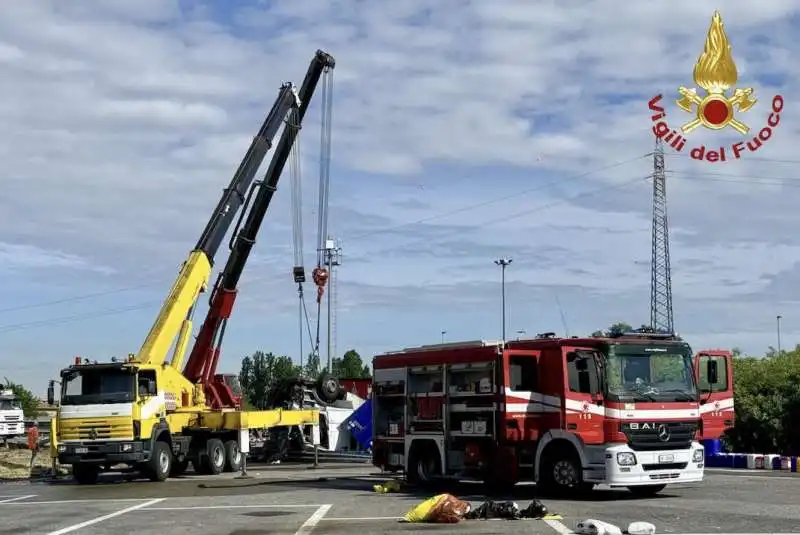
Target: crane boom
<point>172,319</point>
<point>202,363</point>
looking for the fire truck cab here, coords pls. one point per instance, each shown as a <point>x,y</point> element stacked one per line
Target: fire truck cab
<point>567,413</point>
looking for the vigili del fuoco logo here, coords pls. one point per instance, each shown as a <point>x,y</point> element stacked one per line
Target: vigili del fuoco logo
<point>715,73</point>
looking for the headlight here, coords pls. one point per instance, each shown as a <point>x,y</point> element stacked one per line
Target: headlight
<point>62,449</point>
<point>126,447</point>
<point>698,456</point>
<point>626,458</point>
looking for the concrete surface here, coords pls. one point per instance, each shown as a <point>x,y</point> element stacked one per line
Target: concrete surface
<point>333,499</point>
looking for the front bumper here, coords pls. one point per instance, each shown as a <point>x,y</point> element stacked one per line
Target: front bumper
<point>103,452</point>
<point>654,467</point>
<point>12,429</point>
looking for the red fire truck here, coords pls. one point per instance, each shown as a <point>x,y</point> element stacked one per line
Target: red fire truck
<point>714,373</point>
<point>567,413</point>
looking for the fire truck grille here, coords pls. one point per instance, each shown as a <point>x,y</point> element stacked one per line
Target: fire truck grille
<point>679,436</point>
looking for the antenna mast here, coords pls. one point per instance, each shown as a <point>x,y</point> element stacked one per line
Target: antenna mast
<point>660,272</point>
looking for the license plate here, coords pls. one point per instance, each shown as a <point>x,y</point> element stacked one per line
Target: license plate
<point>666,458</point>
<point>81,450</point>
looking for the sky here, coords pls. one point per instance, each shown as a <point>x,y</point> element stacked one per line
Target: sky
<point>463,131</point>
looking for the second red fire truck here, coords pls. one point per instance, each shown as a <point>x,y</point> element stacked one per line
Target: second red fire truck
<point>567,413</point>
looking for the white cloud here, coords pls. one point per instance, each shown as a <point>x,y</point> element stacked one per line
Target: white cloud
<point>122,125</point>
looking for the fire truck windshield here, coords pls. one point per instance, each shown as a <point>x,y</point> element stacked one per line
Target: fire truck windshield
<point>87,386</point>
<point>649,373</point>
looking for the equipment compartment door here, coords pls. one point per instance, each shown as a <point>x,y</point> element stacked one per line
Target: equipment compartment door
<point>583,395</point>
<point>716,399</point>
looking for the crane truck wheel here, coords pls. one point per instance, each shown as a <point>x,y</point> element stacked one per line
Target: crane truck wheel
<point>160,464</point>
<point>214,458</point>
<point>233,456</point>
<point>86,474</point>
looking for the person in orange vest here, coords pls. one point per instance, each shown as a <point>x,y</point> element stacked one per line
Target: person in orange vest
<point>33,439</point>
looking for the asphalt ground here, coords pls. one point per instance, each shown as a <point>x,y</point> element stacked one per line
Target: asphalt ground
<point>339,499</point>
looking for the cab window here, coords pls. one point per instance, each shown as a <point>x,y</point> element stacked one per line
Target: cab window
<point>523,373</point>
<point>722,375</point>
<point>582,378</point>
<point>147,383</point>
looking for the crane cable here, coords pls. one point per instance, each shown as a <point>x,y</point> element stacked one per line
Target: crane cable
<point>320,274</point>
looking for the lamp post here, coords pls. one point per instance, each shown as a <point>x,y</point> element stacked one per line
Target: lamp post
<point>443,333</point>
<point>778,321</point>
<point>503,263</point>
<point>520,332</point>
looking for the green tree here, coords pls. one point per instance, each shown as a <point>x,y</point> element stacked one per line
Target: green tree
<point>29,402</point>
<point>259,373</point>
<point>350,366</point>
<point>614,330</point>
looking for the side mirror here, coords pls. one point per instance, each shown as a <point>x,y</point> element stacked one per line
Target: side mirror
<point>151,388</point>
<point>51,393</point>
<point>712,371</point>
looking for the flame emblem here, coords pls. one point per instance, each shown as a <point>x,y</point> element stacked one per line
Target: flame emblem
<point>715,72</point>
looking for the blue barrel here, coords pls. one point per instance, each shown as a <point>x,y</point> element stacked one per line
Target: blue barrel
<point>713,446</point>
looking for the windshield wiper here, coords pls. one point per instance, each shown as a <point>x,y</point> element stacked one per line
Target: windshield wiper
<point>647,396</point>
<point>681,395</point>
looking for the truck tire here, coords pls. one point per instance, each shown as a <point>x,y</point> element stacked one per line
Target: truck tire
<point>159,466</point>
<point>423,466</point>
<point>561,473</point>
<point>213,458</point>
<point>86,474</point>
<point>646,491</point>
<point>233,456</point>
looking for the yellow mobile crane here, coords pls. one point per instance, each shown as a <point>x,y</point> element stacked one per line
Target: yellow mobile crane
<point>144,411</point>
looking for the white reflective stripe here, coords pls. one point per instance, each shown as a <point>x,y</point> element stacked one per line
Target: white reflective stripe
<point>574,405</point>
<point>527,395</point>
<point>530,408</point>
<point>652,414</point>
<point>720,405</point>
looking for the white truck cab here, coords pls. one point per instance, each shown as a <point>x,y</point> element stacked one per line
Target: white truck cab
<point>12,422</point>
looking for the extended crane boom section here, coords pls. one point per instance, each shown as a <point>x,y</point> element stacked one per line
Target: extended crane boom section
<point>202,363</point>
<point>195,272</point>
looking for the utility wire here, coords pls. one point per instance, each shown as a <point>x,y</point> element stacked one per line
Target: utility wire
<point>681,175</point>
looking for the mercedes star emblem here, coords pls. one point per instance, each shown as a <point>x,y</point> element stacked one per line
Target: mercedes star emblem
<point>663,433</point>
<point>93,434</point>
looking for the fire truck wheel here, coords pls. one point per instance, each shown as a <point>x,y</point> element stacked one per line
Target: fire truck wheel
<point>646,491</point>
<point>233,456</point>
<point>561,473</point>
<point>214,458</point>
<point>422,466</point>
<point>85,474</point>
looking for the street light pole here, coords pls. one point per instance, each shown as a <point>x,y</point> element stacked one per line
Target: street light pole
<point>778,318</point>
<point>503,263</point>
<point>443,333</point>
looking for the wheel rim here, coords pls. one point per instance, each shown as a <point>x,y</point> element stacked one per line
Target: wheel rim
<point>219,457</point>
<point>163,461</point>
<point>564,473</point>
<point>237,455</point>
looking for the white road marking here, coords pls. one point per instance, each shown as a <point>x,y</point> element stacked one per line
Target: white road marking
<point>559,527</point>
<point>93,521</point>
<point>358,518</point>
<point>16,498</point>
<point>59,502</point>
<point>257,506</point>
<point>742,472</point>
<point>309,525</point>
